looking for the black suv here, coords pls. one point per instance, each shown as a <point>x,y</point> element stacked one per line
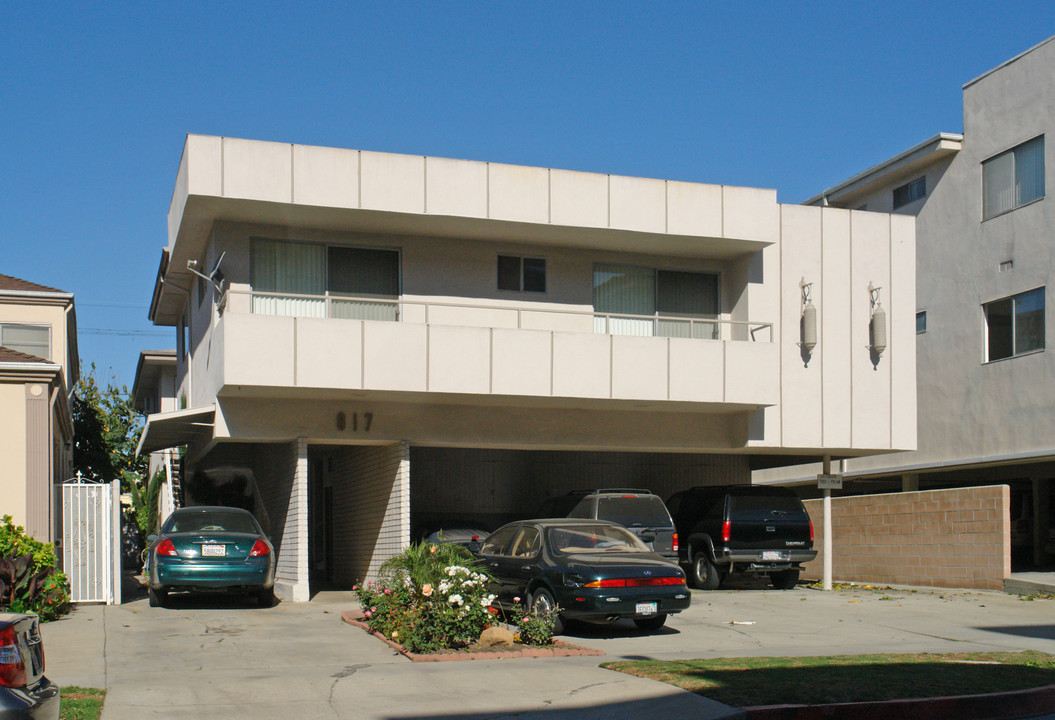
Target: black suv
<point>639,511</point>
<point>742,529</point>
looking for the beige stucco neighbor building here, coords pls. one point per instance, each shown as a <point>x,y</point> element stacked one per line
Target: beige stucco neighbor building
<point>984,228</point>
<point>373,345</point>
<point>38,369</point>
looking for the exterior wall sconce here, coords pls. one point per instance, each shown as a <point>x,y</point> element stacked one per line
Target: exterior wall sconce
<point>808,323</point>
<point>876,325</point>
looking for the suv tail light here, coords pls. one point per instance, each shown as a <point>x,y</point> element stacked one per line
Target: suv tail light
<point>259,548</point>
<point>12,664</point>
<point>674,543</point>
<point>165,547</point>
<point>727,531</point>
<point>811,531</point>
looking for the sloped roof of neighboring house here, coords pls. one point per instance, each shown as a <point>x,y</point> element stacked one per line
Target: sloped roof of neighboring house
<point>12,283</point>
<point>7,355</point>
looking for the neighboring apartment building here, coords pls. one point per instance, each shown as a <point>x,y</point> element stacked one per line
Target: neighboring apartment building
<point>154,391</point>
<point>38,369</point>
<point>984,271</point>
<point>373,345</point>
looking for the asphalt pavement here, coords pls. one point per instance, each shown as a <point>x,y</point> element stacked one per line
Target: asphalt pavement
<point>219,657</point>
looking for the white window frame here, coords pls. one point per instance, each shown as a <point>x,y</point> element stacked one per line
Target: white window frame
<point>1016,202</point>
<point>521,259</point>
<point>1015,352</point>
<point>40,326</point>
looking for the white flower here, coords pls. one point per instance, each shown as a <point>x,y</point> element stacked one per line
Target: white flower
<point>488,599</point>
<point>455,600</point>
<point>468,583</point>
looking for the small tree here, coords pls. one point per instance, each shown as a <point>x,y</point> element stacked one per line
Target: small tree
<point>106,429</point>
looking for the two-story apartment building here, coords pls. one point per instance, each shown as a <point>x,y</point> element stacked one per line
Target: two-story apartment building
<point>373,345</point>
<point>38,369</point>
<point>986,382</point>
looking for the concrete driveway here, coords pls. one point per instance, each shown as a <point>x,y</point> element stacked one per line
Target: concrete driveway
<point>219,658</point>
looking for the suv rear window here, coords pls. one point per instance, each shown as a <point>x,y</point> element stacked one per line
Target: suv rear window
<point>634,511</point>
<point>756,506</point>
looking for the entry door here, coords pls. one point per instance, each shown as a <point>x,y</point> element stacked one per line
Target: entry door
<point>320,522</point>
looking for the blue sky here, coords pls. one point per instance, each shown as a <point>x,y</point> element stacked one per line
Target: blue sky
<point>95,101</point>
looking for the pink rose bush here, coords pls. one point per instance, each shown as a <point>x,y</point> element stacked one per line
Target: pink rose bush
<point>429,597</point>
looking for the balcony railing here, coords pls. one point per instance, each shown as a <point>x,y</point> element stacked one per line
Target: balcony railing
<point>498,316</point>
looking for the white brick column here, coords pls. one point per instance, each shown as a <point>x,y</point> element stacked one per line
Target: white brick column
<point>291,577</point>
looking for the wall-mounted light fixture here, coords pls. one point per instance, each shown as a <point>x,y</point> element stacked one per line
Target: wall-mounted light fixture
<point>808,322</point>
<point>876,325</point>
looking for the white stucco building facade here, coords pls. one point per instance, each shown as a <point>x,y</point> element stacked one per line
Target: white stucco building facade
<point>372,345</point>
<point>986,381</point>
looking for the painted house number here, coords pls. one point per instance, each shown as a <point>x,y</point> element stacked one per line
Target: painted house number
<point>366,421</point>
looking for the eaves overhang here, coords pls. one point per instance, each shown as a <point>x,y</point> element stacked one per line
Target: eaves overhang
<point>900,167</point>
<point>172,429</point>
<point>148,370</point>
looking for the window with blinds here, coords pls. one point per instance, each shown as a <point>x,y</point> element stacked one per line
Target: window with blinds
<point>314,280</point>
<point>28,338</point>
<point>644,301</point>
<point>1013,178</point>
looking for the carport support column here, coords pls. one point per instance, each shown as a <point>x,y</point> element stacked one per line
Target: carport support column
<point>294,576</point>
<point>826,579</point>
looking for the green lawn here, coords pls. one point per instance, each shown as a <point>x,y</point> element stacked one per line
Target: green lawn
<point>81,703</point>
<point>742,682</point>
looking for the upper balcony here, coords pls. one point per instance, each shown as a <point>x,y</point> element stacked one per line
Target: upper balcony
<point>266,341</point>
<point>330,189</point>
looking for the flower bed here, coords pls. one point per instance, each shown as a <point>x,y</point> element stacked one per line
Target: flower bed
<point>556,648</point>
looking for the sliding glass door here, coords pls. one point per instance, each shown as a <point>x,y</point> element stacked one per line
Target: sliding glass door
<point>644,301</point>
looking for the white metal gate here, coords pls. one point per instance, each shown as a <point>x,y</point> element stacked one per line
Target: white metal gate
<point>91,540</point>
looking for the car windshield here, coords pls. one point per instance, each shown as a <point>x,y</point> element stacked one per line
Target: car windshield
<point>211,521</point>
<point>634,510</point>
<point>593,539</point>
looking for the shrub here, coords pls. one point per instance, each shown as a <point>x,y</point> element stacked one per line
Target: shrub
<point>533,627</point>
<point>429,597</point>
<point>29,578</point>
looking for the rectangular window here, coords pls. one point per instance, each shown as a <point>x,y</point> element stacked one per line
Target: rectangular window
<point>1013,178</point>
<point>521,274</point>
<point>921,322</point>
<point>30,339</point>
<point>312,280</point>
<point>645,301</point>
<point>910,192</point>
<point>1014,325</point>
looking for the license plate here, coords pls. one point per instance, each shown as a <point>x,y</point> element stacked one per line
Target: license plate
<point>213,550</point>
<point>773,555</point>
<point>647,608</point>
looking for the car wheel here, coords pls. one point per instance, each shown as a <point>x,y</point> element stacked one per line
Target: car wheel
<point>156,598</point>
<point>542,602</point>
<point>704,574</point>
<point>651,623</point>
<point>785,579</point>
<point>265,598</point>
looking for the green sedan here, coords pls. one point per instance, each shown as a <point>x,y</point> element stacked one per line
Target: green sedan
<point>209,549</point>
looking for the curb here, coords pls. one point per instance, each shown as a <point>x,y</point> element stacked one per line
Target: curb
<point>992,706</point>
<point>558,649</point>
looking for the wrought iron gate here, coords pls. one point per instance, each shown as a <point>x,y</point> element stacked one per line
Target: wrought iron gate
<point>91,537</point>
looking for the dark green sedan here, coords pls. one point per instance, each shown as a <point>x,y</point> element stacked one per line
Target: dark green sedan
<point>589,569</point>
<point>209,549</point>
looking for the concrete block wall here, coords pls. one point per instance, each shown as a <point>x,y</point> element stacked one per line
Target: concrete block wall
<point>941,538</point>
<point>371,509</point>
